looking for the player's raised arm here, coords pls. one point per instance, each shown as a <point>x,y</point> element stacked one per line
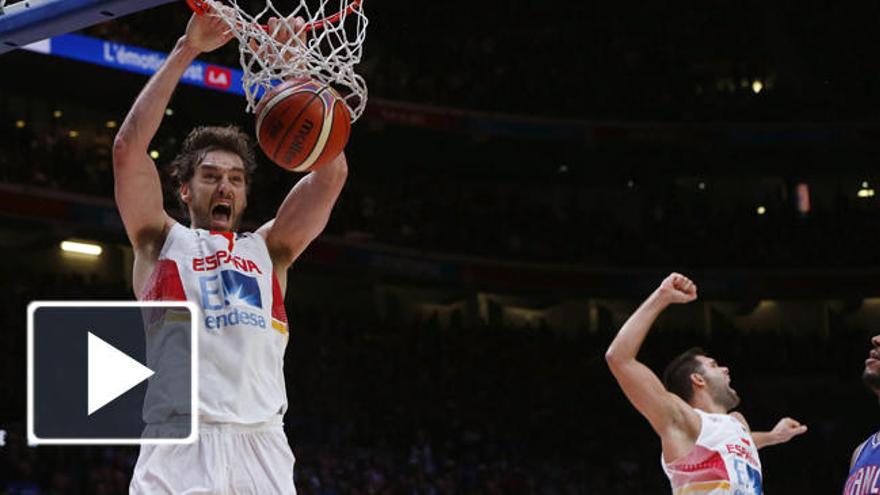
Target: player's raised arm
<point>668,414</point>
<point>306,209</point>
<point>304,213</point>
<point>137,185</point>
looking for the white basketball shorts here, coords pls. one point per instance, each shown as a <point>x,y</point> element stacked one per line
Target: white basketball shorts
<point>225,459</point>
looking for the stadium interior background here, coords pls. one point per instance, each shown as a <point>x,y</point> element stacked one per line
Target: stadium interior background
<point>522,178</point>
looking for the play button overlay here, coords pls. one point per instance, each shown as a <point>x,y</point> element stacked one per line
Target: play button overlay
<point>112,372</point>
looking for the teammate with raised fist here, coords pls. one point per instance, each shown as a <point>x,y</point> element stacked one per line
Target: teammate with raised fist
<point>706,448</point>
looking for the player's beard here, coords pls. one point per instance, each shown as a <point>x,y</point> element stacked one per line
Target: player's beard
<point>871,379</point>
<point>723,395</point>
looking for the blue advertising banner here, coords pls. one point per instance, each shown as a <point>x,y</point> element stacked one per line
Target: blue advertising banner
<point>138,60</point>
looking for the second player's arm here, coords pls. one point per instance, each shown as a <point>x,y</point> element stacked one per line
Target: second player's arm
<point>303,214</point>
<point>676,423</point>
<point>642,387</point>
<point>138,189</point>
<point>785,430</point>
<point>137,185</point>
<point>306,209</point>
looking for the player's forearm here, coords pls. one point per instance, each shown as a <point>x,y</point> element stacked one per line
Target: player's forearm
<point>313,198</point>
<point>331,176</point>
<point>146,114</point>
<point>765,439</point>
<point>785,430</point>
<point>305,211</point>
<point>629,339</point>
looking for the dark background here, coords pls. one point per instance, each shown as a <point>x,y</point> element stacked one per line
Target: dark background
<point>427,352</point>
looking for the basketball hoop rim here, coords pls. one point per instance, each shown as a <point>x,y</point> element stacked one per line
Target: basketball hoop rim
<point>200,7</point>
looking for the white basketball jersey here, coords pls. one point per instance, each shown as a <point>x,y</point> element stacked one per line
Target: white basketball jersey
<point>724,461</point>
<point>242,325</point>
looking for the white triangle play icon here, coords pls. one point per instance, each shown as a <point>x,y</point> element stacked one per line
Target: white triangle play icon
<point>111,373</point>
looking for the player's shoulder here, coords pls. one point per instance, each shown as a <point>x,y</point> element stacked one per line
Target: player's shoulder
<point>250,241</point>
<point>871,444</point>
<point>857,452</point>
<point>250,237</point>
<point>740,418</point>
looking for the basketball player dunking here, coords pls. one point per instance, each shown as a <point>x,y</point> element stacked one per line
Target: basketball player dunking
<point>864,469</point>
<point>706,448</point>
<point>237,280</point>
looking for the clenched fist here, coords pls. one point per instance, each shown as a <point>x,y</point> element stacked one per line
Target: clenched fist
<point>786,429</point>
<point>677,289</point>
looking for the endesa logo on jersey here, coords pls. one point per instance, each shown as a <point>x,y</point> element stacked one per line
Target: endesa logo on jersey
<point>233,294</point>
<point>747,480</point>
<point>220,258</point>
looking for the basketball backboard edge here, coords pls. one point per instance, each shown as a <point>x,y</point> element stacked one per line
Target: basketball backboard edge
<point>29,21</point>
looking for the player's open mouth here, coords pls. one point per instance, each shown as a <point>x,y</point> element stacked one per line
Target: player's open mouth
<point>221,213</point>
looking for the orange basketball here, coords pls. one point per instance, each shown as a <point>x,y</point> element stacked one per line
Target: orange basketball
<point>302,125</point>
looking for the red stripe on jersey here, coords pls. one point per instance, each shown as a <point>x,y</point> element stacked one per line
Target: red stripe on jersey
<point>229,236</point>
<point>700,465</point>
<point>278,311</point>
<point>165,283</point>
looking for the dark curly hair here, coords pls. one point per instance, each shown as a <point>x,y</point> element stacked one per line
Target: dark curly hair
<point>204,139</point>
<point>677,376</point>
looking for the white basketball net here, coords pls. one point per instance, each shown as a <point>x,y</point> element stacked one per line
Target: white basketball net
<point>329,54</point>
